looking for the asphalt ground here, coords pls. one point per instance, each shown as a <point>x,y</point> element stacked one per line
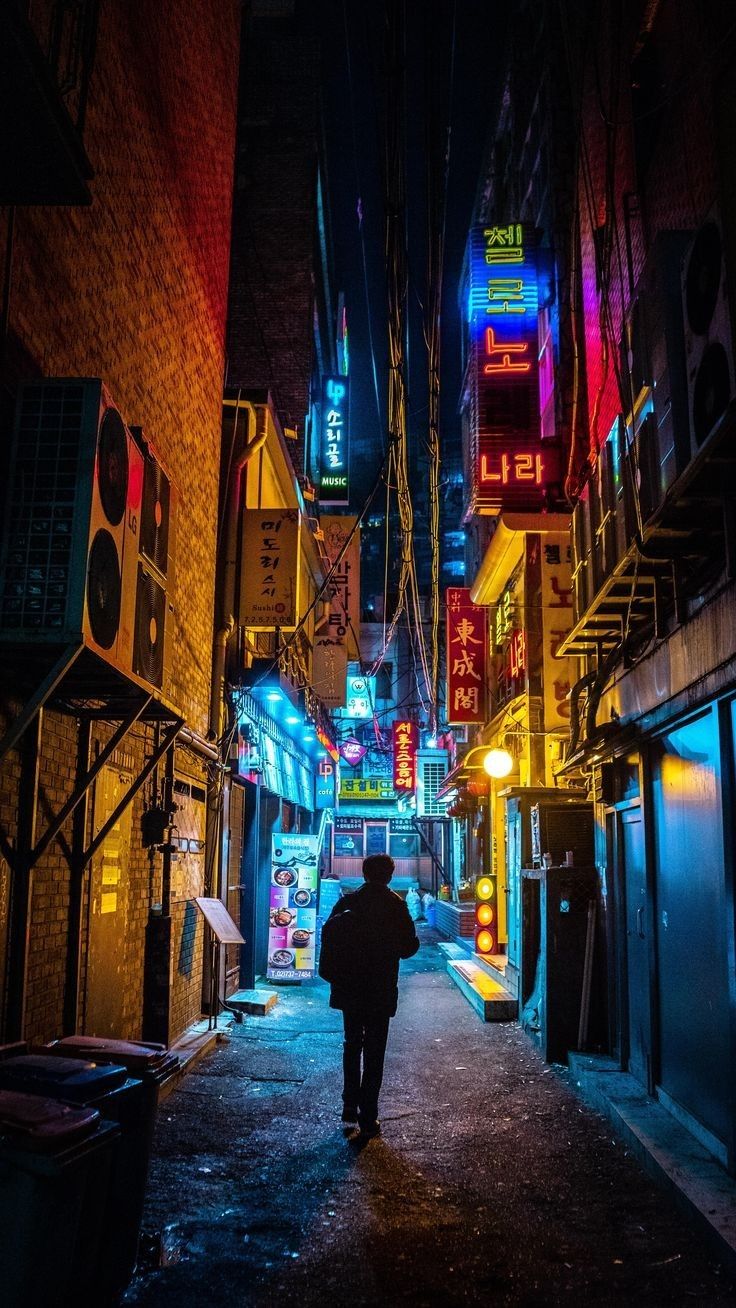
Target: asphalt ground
<point>491,1182</point>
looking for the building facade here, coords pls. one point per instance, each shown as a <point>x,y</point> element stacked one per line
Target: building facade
<point>116,232</point>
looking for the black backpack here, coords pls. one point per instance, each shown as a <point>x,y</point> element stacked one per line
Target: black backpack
<point>343,942</point>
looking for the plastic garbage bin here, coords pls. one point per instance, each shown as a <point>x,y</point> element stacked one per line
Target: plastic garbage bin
<point>149,1063</point>
<point>55,1165</point>
<point>118,1098</point>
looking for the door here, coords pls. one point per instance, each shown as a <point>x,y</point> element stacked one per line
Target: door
<point>513,873</point>
<point>692,972</point>
<point>638,1001</point>
<point>108,905</point>
<point>234,875</point>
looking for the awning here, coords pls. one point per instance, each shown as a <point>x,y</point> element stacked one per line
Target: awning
<point>506,548</point>
<point>462,772</point>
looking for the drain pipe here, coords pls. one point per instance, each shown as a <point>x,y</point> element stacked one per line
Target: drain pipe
<point>222,637</point>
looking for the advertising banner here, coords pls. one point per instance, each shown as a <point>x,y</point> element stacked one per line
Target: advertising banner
<point>557,617</point>
<point>269,587</point>
<point>405,746</point>
<point>467,650</point>
<point>343,620</point>
<point>330,668</point>
<point>292,907</point>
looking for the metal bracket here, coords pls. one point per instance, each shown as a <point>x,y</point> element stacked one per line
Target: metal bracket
<point>37,701</point>
<point>168,739</point>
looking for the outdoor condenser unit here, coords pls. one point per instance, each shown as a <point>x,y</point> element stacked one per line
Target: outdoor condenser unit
<point>708,338</point>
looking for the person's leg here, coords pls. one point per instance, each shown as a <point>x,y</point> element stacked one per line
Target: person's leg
<point>374,1049</point>
<point>351,1051</point>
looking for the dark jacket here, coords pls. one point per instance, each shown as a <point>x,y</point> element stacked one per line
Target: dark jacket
<point>386,934</point>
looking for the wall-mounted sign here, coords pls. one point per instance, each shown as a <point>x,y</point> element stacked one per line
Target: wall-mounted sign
<point>369,788</point>
<point>361,697</point>
<point>341,621</point>
<point>402,825</point>
<point>269,587</point>
<point>557,615</point>
<point>334,450</point>
<point>511,467</point>
<point>292,907</point>
<point>467,646</point>
<point>325,778</point>
<point>405,735</point>
<point>352,752</point>
<point>329,668</point>
<point>517,653</point>
<point>348,823</point>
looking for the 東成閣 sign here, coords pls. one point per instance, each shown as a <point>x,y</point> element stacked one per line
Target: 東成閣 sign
<point>467,648</point>
<point>512,467</point>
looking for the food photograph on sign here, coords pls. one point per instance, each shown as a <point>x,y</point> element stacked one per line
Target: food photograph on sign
<point>292,910</point>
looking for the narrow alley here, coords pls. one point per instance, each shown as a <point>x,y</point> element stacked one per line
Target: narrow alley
<point>491,1182</point>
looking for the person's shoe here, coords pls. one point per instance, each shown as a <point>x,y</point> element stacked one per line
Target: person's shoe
<point>349,1116</point>
<point>368,1130</point>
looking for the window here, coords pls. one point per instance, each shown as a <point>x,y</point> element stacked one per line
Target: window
<point>404,844</point>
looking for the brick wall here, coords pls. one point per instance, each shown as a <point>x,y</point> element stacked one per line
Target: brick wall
<point>133,289</point>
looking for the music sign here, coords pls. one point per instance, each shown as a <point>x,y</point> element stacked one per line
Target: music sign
<point>334,448</point>
<point>467,646</point>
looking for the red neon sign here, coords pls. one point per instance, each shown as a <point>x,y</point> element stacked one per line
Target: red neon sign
<point>466,645</point>
<point>405,745</point>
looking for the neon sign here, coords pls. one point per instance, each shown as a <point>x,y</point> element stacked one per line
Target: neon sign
<point>467,645</point>
<point>405,744</point>
<point>334,442</point>
<point>512,467</point>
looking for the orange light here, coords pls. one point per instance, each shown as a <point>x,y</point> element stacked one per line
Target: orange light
<point>484,888</point>
<point>484,942</point>
<point>484,915</point>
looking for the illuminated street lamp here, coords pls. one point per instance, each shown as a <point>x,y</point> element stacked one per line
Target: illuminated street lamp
<point>498,763</point>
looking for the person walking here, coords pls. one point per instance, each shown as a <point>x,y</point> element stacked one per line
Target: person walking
<point>363,939</point>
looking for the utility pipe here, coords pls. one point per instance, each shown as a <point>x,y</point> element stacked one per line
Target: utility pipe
<point>232,511</point>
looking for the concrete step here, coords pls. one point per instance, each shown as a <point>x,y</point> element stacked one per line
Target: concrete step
<point>256,1002</point>
<point>498,968</point>
<point>453,950</point>
<point>489,999</point>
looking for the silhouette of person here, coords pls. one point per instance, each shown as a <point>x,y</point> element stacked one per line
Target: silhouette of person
<point>363,970</point>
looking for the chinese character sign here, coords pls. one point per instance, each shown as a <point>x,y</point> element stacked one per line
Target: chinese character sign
<point>334,454</point>
<point>269,587</point>
<point>405,744</point>
<point>557,619</point>
<point>466,653</point>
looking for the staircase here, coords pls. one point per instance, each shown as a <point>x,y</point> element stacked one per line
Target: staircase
<point>482,981</point>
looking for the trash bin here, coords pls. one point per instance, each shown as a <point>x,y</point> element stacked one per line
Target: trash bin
<point>55,1165</point>
<point>118,1098</point>
<point>149,1063</point>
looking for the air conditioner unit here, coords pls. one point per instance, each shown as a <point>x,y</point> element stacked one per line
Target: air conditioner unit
<point>669,441</point>
<point>708,336</point>
<point>431,772</point>
<point>69,554</point>
<point>155,573</point>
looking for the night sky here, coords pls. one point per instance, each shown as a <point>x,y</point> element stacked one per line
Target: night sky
<point>354,87</point>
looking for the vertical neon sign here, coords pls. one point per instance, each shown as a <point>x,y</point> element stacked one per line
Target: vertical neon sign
<point>512,466</point>
<point>334,444</point>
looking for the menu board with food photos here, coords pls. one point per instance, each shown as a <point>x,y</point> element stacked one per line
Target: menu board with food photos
<point>293,907</point>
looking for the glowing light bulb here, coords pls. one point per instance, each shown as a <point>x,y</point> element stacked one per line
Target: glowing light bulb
<point>484,942</point>
<point>484,915</point>
<point>484,888</point>
<point>498,763</point>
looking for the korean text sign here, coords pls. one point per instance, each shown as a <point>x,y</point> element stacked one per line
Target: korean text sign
<point>405,744</point>
<point>557,616</point>
<point>512,465</point>
<point>269,589</point>
<point>292,907</point>
<point>467,653</point>
<point>334,443</point>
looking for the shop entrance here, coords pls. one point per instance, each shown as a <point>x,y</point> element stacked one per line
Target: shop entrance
<point>638,1001</point>
<point>694,1063</point>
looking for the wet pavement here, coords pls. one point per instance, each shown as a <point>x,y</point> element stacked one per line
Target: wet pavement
<point>491,1183</point>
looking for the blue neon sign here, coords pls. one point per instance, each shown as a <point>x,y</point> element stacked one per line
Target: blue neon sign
<point>334,441</point>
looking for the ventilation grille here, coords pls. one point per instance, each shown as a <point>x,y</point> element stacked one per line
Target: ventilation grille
<point>35,581</point>
<point>433,774</point>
